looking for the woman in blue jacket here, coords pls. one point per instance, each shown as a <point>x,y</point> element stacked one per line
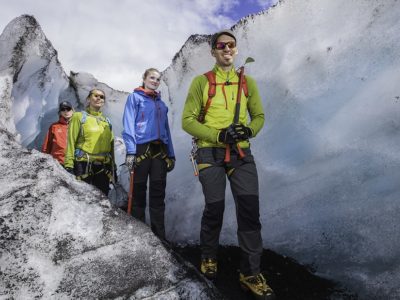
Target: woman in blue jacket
<point>149,149</point>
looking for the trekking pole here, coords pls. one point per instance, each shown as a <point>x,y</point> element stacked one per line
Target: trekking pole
<point>237,110</point>
<point>130,194</point>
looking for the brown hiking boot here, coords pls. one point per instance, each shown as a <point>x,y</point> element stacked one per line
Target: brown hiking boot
<point>257,286</point>
<point>209,267</point>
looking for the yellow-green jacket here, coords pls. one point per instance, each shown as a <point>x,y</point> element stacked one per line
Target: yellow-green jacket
<point>222,109</point>
<point>94,137</point>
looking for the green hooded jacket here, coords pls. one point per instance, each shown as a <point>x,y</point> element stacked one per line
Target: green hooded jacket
<point>222,109</point>
<point>93,137</point>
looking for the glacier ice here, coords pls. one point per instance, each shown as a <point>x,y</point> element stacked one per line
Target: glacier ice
<point>328,157</point>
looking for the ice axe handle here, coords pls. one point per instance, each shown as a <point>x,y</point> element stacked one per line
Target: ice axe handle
<point>227,153</point>
<point>237,107</point>
<point>241,153</point>
<point>239,96</point>
<point>194,165</point>
<point>130,195</point>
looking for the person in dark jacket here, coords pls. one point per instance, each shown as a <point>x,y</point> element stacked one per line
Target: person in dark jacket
<point>55,141</point>
<point>149,149</point>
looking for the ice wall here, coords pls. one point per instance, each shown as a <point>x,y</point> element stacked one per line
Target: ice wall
<point>31,76</point>
<point>328,157</point>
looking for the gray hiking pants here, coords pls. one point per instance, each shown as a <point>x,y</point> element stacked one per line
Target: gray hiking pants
<point>242,174</point>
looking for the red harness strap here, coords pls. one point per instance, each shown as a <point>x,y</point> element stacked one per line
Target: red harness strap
<point>212,90</point>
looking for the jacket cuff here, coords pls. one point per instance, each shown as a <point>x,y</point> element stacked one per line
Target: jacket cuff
<point>252,132</point>
<point>216,139</point>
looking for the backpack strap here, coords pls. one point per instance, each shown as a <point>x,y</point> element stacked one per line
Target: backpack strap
<point>84,117</point>
<point>83,121</point>
<point>212,89</point>
<point>212,84</point>
<point>109,122</point>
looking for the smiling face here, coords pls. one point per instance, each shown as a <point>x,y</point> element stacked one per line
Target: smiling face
<point>66,113</point>
<point>96,100</point>
<point>152,80</point>
<point>225,52</point>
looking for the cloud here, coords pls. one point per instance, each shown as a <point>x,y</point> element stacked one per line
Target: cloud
<point>117,40</point>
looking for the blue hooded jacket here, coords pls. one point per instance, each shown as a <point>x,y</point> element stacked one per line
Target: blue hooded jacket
<point>145,119</point>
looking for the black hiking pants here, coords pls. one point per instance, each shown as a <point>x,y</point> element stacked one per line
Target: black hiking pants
<point>156,170</point>
<point>97,175</point>
<point>242,174</point>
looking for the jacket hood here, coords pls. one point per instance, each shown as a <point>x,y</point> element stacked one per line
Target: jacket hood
<point>152,94</point>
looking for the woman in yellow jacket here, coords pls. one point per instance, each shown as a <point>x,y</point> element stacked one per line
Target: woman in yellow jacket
<point>90,149</point>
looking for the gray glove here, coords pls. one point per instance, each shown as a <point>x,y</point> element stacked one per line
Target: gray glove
<point>170,163</point>
<point>130,161</point>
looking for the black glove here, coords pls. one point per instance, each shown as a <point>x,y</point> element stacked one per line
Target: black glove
<point>240,132</point>
<point>70,170</point>
<point>130,161</point>
<point>170,163</point>
<point>225,136</point>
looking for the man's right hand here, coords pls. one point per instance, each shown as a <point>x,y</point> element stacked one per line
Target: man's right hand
<point>130,161</point>
<point>225,136</point>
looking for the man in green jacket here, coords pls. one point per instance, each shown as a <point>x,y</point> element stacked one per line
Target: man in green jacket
<point>214,132</point>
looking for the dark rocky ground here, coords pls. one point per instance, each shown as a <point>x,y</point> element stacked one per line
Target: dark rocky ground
<point>289,279</point>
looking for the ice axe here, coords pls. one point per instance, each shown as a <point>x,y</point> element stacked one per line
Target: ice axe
<point>247,61</point>
<point>240,86</point>
<point>130,194</point>
<point>237,110</point>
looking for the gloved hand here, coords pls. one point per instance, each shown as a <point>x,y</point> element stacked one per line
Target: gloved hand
<point>70,170</point>
<point>170,163</point>
<point>240,132</point>
<point>225,136</point>
<point>130,161</point>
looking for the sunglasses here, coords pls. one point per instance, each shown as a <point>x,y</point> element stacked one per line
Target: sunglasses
<point>66,109</point>
<point>222,45</point>
<point>98,96</point>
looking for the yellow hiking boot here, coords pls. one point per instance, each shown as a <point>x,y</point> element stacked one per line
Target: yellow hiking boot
<point>257,286</point>
<point>209,267</point>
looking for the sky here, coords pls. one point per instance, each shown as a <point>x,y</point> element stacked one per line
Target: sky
<point>117,40</point>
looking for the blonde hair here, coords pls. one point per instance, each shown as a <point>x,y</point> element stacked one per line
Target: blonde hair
<point>147,72</point>
<point>90,94</point>
<point>92,91</point>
